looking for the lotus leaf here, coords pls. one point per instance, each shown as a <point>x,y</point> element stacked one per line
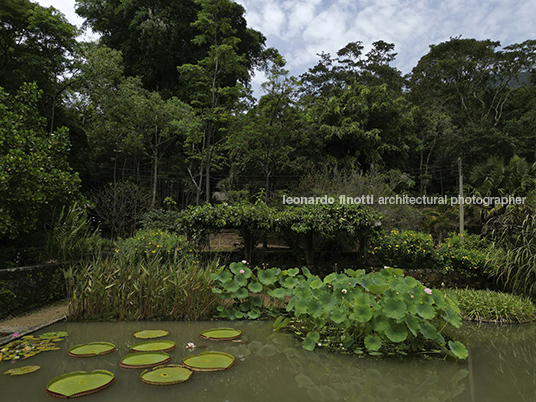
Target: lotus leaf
<point>396,332</point>
<point>362,313</point>
<point>458,349</point>
<point>429,331</point>
<point>166,375</point>
<point>315,308</point>
<point>394,308</point>
<point>293,272</point>
<point>373,343</point>
<point>144,359</point>
<point>79,383</point>
<point>22,370</point>
<point>221,334</point>
<point>91,349</point>
<point>425,310</point>
<point>209,361</point>
<point>241,293</point>
<point>268,276</point>
<point>310,340</point>
<point>255,287</point>
<point>150,333</point>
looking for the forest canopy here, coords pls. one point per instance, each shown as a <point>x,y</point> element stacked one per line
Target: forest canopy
<point>161,108</point>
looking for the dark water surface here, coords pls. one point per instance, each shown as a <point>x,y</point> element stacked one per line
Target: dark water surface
<point>273,367</point>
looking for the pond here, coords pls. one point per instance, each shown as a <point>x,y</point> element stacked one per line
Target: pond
<point>274,367</point>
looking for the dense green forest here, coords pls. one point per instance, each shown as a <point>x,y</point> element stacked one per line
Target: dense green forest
<point>160,113</point>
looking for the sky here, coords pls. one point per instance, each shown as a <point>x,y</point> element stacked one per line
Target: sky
<point>301,29</point>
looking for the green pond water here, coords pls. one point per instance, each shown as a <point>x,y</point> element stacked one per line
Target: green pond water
<point>273,367</point>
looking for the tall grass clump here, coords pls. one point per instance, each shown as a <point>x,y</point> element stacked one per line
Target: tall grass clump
<point>117,288</point>
<point>513,256</point>
<point>487,305</point>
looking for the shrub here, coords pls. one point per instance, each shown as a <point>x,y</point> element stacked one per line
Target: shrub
<point>407,250</point>
<point>148,245</point>
<point>466,254</point>
<point>486,305</point>
<point>377,311</point>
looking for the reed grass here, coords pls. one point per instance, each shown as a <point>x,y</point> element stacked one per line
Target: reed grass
<point>111,288</point>
<point>490,306</point>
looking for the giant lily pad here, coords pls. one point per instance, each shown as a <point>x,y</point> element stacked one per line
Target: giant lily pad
<point>209,361</point>
<point>166,375</point>
<point>144,359</point>
<point>150,333</point>
<point>91,349</point>
<point>153,346</point>
<point>221,334</point>
<point>79,383</point>
<point>22,370</point>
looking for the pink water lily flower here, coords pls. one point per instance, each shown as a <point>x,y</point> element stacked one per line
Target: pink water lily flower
<point>242,271</point>
<point>428,291</point>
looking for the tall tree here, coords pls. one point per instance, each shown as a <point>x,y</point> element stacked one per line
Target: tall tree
<point>266,138</point>
<point>216,82</point>
<point>36,45</point>
<point>472,81</point>
<point>35,176</point>
<point>156,36</point>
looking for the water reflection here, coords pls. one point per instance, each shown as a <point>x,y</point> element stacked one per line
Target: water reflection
<point>273,367</point>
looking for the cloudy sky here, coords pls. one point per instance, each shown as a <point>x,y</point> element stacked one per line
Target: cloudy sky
<point>300,29</point>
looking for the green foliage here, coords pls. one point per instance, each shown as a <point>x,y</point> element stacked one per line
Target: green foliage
<point>513,255</point>
<point>126,289</point>
<point>378,311</point>
<point>468,254</point>
<point>407,249</point>
<point>35,176</point>
<point>487,305</point>
<point>416,250</point>
<point>159,245</point>
<point>72,236</point>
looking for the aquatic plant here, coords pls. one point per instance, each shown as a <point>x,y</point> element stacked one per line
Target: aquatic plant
<point>487,305</point>
<point>371,310</point>
<point>129,289</point>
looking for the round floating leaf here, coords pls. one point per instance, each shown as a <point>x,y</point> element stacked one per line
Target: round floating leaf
<point>153,346</point>
<point>166,375</point>
<point>60,334</point>
<point>79,383</point>
<point>209,361</point>
<point>91,349</point>
<point>22,370</point>
<point>459,350</point>
<point>150,333</point>
<point>394,308</point>
<point>221,334</point>
<point>144,359</point>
